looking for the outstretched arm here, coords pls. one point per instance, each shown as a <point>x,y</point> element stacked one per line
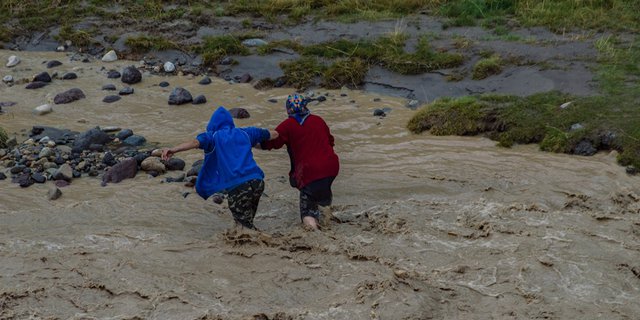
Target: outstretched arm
<point>188,145</point>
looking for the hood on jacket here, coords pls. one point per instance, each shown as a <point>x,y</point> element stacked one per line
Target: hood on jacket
<point>220,119</point>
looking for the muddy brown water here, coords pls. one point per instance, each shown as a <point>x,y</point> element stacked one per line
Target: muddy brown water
<point>430,227</point>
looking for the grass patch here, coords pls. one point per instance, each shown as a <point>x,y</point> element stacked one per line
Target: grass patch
<point>345,72</point>
<point>302,73</point>
<point>487,67</point>
<point>141,44</point>
<point>272,46</point>
<point>215,48</point>
<point>78,38</point>
<point>464,116</point>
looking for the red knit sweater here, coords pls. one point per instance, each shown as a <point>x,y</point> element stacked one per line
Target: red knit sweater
<point>310,148</point>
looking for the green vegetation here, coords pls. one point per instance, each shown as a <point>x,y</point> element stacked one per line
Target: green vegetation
<point>78,38</point>
<point>610,121</point>
<point>487,67</point>
<point>349,72</point>
<point>388,51</point>
<point>217,47</point>
<point>302,72</point>
<point>141,44</point>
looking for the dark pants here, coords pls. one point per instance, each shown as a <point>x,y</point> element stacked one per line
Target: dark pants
<point>243,201</point>
<point>314,194</point>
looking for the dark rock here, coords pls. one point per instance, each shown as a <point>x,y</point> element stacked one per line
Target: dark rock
<point>343,94</point>
<point>113,74</point>
<point>96,147</point>
<point>69,76</point>
<point>205,80</point>
<point>153,173</point>
<point>68,96</point>
<point>217,198</point>
<point>321,98</point>
<point>38,177</point>
<point>135,140</point>
<point>54,193</point>
<point>36,85</point>
<point>109,159</point>
<point>607,139</point>
<point>226,61</point>
<point>53,64</point>
<point>42,77</point>
<point>584,148</point>
<point>17,169</point>
<point>60,136</point>
<point>126,91</point>
<point>201,99</point>
<point>379,113</point>
<point>125,169</point>
<point>89,137</point>
<point>239,113</point>
<point>140,157</point>
<point>76,174</point>
<point>280,82</point>
<point>195,168</point>
<point>164,84</point>
<point>59,160</point>
<point>174,164</point>
<point>61,183</point>
<point>630,170</point>
<point>376,99</point>
<point>245,78</point>
<point>126,133</point>
<point>273,100</point>
<point>131,75</point>
<point>178,179</point>
<point>109,87</point>
<point>111,98</point>
<point>180,96</point>
<point>26,170</point>
<point>2,176</point>
<point>24,180</point>
<point>7,104</point>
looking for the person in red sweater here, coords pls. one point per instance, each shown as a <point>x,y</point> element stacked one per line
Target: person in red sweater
<point>314,164</point>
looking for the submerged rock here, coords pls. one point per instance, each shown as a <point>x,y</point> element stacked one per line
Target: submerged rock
<point>204,81</point>
<point>111,99</point>
<point>69,76</point>
<point>113,74</point>
<point>53,64</point>
<point>42,76</point>
<point>69,96</point>
<point>239,113</point>
<point>54,193</point>
<point>135,140</point>
<point>199,99</point>
<point>126,91</point>
<point>131,75</point>
<point>90,137</point>
<point>35,85</point>
<point>109,87</point>
<point>180,96</point>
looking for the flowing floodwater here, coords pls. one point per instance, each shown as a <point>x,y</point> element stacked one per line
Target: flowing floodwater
<point>430,227</point>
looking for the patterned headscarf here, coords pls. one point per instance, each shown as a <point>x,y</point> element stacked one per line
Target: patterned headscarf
<point>297,107</point>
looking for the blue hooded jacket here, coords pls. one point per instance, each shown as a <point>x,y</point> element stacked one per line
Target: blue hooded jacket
<point>228,160</point>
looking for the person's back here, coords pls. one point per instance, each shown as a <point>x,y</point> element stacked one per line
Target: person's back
<point>314,163</point>
<point>228,165</point>
<point>310,147</point>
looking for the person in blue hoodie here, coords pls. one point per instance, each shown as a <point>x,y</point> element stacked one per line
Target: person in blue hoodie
<point>228,165</point>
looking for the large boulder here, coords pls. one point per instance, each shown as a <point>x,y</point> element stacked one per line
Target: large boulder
<point>90,137</point>
<point>124,169</point>
<point>180,96</point>
<point>131,75</point>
